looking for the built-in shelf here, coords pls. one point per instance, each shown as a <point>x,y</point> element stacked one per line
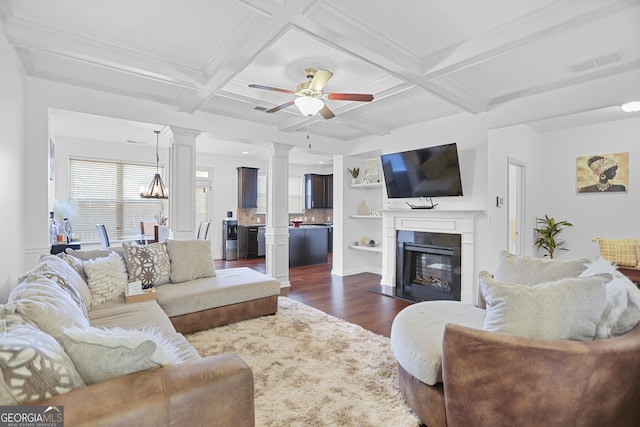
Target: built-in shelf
<point>366,216</point>
<point>367,248</point>
<point>366,186</point>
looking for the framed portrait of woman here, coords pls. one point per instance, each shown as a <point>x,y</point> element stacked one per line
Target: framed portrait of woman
<point>603,173</point>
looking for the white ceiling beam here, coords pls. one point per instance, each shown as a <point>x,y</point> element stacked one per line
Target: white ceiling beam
<point>267,8</point>
<point>345,33</point>
<point>249,38</point>
<point>37,37</point>
<point>293,124</point>
<point>600,73</point>
<point>549,21</point>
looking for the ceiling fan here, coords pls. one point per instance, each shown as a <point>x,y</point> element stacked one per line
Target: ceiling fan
<point>310,95</point>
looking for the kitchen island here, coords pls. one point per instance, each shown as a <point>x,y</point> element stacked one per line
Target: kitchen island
<point>308,244</point>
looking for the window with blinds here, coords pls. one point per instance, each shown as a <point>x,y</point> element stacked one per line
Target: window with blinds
<point>295,199</point>
<point>203,187</point>
<point>108,193</point>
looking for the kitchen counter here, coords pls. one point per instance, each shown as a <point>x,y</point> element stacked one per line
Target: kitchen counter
<point>308,244</point>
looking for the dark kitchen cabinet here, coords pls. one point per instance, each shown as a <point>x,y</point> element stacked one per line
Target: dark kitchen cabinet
<point>318,191</point>
<point>296,247</point>
<point>248,241</point>
<point>262,244</point>
<point>247,187</point>
<point>316,245</point>
<point>307,246</point>
<point>329,181</point>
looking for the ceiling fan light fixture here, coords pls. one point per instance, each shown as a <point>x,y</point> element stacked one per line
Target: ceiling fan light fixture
<point>631,107</point>
<point>308,105</point>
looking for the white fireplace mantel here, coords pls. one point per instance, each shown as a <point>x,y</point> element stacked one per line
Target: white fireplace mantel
<point>434,221</point>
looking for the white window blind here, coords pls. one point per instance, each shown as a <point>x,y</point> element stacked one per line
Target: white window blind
<point>296,194</point>
<point>108,192</point>
<point>203,189</point>
<point>262,194</point>
<point>202,204</point>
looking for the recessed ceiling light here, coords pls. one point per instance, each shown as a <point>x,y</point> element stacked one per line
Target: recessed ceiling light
<point>245,152</point>
<point>631,107</point>
<point>321,162</point>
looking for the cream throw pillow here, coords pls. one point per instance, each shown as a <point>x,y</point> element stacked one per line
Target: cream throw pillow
<point>106,277</point>
<point>100,354</point>
<point>33,364</point>
<point>41,301</point>
<point>526,270</point>
<point>67,271</point>
<point>64,285</point>
<point>190,259</point>
<point>567,309</point>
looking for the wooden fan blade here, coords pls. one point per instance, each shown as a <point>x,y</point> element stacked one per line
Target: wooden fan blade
<point>272,88</point>
<point>280,107</point>
<point>362,97</point>
<point>320,79</point>
<point>326,113</point>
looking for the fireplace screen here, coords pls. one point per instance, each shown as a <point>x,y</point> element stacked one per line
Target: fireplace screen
<point>433,270</point>
<point>428,268</point>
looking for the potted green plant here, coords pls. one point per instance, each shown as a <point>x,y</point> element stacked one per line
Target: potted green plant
<point>354,174</point>
<point>547,232</point>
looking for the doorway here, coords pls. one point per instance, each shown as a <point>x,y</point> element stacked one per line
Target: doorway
<point>202,196</point>
<point>515,206</point>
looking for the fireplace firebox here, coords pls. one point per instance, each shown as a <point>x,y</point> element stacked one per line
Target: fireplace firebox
<point>428,266</point>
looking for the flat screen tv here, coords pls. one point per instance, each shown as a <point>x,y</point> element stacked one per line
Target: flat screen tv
<point>425,172</point>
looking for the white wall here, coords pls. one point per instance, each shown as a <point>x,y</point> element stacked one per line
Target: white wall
<point>550,180</point>
<point>223,168</point>
<point>41,96</point>
<point>613,215</point>
<point>521,143</point>
<point>469,132</point>
<point>592,215</point>
<point>224,192</point>
<point>551,186</point>
<point>12,170</point>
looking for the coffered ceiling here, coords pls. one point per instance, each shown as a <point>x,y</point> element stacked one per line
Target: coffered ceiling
<point>421,59</point>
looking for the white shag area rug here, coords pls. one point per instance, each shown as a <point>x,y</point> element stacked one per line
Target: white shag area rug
<point>312,369</point>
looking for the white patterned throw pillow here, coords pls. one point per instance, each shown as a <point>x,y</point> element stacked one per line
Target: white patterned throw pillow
<point>147,263</point>
<point>33,364</point>
<point>106,277</point>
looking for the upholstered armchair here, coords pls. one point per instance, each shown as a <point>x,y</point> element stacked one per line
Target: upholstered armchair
<point>459,366</point>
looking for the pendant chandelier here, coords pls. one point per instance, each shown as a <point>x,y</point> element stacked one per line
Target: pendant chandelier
<point>156,190</point>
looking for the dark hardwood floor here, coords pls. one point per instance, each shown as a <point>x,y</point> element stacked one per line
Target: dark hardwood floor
<point>344,297</point>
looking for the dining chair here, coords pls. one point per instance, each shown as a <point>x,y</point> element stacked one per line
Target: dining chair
<point>149,232</point>
<point>203,230</point>
<point>102,233</point>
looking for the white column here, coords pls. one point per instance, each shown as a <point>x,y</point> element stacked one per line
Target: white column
<point>277,230</point>
<point>182,181</point>
<point>339,216</point>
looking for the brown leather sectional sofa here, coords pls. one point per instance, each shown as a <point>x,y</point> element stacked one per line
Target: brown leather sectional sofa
<point>211,391</point>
